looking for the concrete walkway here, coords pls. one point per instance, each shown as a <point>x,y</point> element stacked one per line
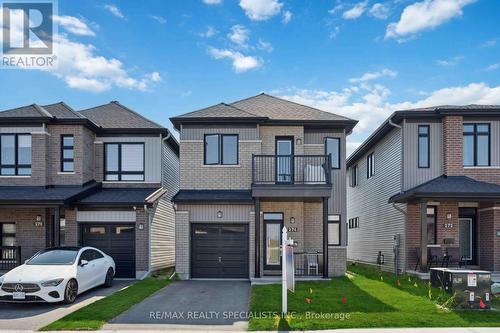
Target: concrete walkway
<point>192,305</point>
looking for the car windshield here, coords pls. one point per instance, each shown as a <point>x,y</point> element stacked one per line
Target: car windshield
<point>54,257</point>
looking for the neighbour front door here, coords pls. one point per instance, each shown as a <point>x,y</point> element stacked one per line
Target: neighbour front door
<point>273,223</point>
<point>467,235</point>
<point>284,159</point>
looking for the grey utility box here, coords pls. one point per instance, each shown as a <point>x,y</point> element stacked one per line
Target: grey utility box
<point>472,288</point>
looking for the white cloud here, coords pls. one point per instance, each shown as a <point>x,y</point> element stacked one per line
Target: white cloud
<point>241,63</point>
<point>210,32</point>
<point>369,103</point>
<point>489,43</point>
<point>450,62</point>
<point>260,10</point>
<point>287,16</point>
<point>374,75</point>
<point>379,10</point>
<point>159,19</point>
<point>493,67</point>
<point>355,11</point>
<point>425,15</point>
<point>212,2</point>
<point>263,45</point>
<point>334,32</point>
<point>114,10</point>
<point>239,35</point>
<point>73,25</point>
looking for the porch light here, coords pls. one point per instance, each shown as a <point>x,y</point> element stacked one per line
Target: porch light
<point>292,220</point>
<point>298,141</point>
<point>38,218</point>
<point>220,214</point>
<point>141,226</point>
<point>448,216</point>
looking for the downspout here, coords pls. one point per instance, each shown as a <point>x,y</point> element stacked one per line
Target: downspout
<point>148,213</point>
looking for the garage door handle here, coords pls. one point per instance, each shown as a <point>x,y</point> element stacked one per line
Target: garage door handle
<point>220,259</point>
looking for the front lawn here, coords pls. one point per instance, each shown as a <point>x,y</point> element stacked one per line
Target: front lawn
<point>95,315</point>
<point>364,298</point>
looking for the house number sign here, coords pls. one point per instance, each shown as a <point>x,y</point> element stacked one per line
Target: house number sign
<point>38,224</point>
<point>292,229</point>
<point>448,225</point>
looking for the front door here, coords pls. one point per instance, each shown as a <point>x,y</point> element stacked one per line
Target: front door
<point>284,159</point>
<point>273,223</point>
<point>467,235</point>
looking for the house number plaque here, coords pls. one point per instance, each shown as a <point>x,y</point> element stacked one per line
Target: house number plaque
<point>292,229</point>
<point>38,224</point>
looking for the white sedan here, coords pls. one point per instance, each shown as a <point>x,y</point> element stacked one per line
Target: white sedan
<point>57,274</point>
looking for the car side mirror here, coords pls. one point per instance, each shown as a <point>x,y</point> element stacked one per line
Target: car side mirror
<point>83,263</point>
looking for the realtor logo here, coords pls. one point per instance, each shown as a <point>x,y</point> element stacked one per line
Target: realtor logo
<point>27,33</point>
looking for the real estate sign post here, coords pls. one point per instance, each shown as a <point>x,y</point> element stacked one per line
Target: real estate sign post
<point>288,270</point>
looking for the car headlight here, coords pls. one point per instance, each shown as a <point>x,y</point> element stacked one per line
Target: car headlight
<point>52,283</point>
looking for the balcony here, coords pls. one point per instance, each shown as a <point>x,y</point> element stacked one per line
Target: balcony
<point>291,176</point>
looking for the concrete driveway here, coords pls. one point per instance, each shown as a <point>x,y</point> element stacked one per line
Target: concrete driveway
<point>32,316</point>
<point>192,305</point>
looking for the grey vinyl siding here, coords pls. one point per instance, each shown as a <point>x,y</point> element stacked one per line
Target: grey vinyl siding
<point>413,175</point>
<point>197,132</point>
<point>163,222</point>
<point>314,144</point>
<point>21,129</point>
<point>494,137</point>
<point>379,221</point>
<point>208,212</point>
<point>152,154</point>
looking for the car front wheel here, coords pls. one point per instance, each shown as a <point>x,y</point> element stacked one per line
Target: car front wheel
<point>71,291</point>
<point>109,278</point>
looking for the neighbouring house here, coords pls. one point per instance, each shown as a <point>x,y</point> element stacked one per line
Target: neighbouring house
<point>428,181</point>
<point>100,177</point>
<point>248,169</point>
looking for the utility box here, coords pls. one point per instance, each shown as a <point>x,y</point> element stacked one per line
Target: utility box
<point>472,288</point>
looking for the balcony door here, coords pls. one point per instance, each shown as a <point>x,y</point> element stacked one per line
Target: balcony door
<point>284,159</point>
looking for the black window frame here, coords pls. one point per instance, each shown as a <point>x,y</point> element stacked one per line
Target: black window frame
<point>428,136</point>
<point>340,229</point>
<point>120,172</point>
<point>370,165</point>
<point>220,159</point>
<point>16,166</point>
<point>338,152</point>
<point>63,148</point>
<point>354,176</point>
<point>475,133</point>
<point>2,235</point>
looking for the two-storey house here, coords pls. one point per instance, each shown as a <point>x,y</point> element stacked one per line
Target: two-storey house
<point>100,177</point>
<point>250,168</point>
<point>424,189</point>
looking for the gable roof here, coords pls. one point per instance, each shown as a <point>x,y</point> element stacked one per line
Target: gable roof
<point>434,112</point>
<point>452,187</point>
<point>264,108</point>
<point>28,112</point>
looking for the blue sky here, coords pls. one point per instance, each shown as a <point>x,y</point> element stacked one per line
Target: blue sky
<point>361,59</point>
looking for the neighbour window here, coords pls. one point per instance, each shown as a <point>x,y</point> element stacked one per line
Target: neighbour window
<point>67,153</point>
<point>354,223</point>
<point>476,144</point>
<point>423,146</point>
<point>15,151</point>
<point>62,231</point>
<point>8,238</point>
<point>333,229</point>
<point>124,162</point>
<point>221,149</point>
<point>431,225</point>
<point>354,175</point>
<point>332,148</point>
<point>370,165</point>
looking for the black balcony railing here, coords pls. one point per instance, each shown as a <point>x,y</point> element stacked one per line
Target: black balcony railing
<point>291,169</point>
<point>10,257</point>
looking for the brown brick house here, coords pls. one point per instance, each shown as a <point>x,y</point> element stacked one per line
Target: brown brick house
<point>101,177</point>
<point>248,169</point>
<point>434,190</point>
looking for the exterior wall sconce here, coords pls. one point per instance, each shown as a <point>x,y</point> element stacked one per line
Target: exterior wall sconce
<point>292,220</point>
<point>298,141</point>
<point>141,226</point>
<point>39,218</point>
<point>220,214</point>
<point>448,216</point>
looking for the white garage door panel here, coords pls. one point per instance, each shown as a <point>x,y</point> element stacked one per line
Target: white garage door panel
<point>105,216</point>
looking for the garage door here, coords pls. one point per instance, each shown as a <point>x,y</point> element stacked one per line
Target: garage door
<point>219,251</point>
<point>117,241</point>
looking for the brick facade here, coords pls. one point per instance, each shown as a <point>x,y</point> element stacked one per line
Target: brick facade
<point>489,241</point>
<point>452,146</point>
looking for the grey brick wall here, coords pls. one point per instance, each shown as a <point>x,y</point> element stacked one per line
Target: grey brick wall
<point>141,241</point>
<point>337,261</point>
<point>182,253</point>
<point>71,227</point>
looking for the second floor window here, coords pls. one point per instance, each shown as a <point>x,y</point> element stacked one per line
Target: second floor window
<point>332,147</point>
<point>221,149</point>
<point>354,175</point>
<point>67,153</point>
<point>124,162</point>
<point>423,146</point>
<point>370,165</point>
<point>15,154</point>
<point>476,145</point>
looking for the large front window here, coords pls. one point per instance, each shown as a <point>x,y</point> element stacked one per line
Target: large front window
<point>124,162</point>
<point>15,154</point>
<point>476,145</point>
<point>332,147</point>
<point>333,229</point>
<point>67,153</point>
<point>221,149</point>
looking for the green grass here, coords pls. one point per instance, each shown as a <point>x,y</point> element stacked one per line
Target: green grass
<point>360,300</point>
<point>95,315</point>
